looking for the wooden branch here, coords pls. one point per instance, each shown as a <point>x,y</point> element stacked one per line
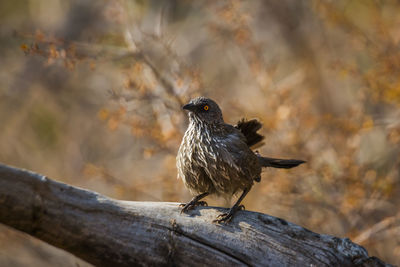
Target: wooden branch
<point>108,232</point>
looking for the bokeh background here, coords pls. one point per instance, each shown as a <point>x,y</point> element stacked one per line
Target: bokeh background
<point>90,95</point>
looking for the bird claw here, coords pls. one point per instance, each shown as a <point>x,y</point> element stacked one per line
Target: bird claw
<point>190,205</point>
<point>221,216</point>
<point>202,203</point>
<point>225,218</point>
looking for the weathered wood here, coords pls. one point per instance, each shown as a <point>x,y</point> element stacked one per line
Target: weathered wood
<point>108,232</point>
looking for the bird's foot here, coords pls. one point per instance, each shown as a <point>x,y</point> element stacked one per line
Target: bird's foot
<point>191,205</point>
<point>225,218</point>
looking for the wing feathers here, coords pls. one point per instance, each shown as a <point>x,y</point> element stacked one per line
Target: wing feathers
<point>249,129</point>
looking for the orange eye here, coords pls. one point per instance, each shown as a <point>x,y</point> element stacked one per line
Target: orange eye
<point>205,107</point>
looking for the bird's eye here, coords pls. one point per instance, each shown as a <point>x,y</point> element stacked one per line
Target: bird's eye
<point>206,107</point>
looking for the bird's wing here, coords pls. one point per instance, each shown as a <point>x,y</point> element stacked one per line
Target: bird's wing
<point>249,129</point>
<point>229,148</point>
<point>237,153</point>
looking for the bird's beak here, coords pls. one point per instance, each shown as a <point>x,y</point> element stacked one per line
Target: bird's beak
<point>189,107</point>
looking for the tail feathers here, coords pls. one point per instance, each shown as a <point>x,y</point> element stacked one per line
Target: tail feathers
<point>279,163</point>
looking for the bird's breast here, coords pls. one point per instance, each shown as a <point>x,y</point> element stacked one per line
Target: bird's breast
<point>211,156</point>
<point>203,147</point>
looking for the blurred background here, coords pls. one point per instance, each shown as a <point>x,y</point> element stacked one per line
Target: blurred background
<point>90,95</point>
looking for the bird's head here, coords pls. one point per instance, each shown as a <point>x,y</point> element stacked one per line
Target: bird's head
<point>204,109</point>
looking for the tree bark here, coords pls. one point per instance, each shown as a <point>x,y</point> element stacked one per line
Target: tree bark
<point>108,232</point>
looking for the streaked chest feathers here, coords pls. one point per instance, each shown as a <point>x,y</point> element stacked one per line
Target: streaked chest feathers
<point>207,151</point>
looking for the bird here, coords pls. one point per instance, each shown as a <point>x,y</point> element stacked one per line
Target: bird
<point>216,158</point>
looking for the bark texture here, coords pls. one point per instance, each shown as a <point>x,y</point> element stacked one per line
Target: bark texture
<point>108,232</point>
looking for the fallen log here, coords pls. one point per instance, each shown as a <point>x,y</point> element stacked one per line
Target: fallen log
<point>109,232</point>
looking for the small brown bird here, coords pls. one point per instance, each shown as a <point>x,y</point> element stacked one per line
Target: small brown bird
<point>216,158</point>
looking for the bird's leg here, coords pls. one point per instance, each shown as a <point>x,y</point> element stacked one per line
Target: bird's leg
<point>194,202</point>
<point>227,217</point>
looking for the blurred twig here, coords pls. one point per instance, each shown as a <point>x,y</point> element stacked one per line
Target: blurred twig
<point>375,230</point>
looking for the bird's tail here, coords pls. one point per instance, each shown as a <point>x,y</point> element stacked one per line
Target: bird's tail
<point>279,163</point>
